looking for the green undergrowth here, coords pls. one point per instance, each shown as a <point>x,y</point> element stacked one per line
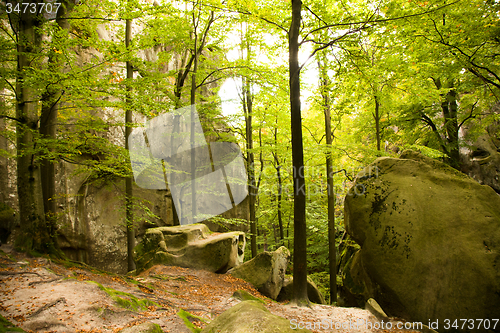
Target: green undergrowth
<point>189,318</point>
<point>126,300</point>
<point>7,326</point>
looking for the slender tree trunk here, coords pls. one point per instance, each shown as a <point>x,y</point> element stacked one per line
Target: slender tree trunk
<point>332,250</point>
<point>34,231</point>
<point>376,115</point>
<point>280,183</point>
<point>4,170</point>
<point>193,106</point>
<point>48,125</point>
<point>247,109</point>
<point>450,111</point>
<point>299,208</point>
<point>129,207</point>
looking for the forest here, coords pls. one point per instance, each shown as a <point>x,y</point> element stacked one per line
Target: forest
<point>311,91</point>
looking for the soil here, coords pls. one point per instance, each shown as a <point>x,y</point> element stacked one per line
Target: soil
<point>44,295</point>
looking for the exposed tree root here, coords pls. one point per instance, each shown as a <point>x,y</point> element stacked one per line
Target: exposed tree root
<point>48,305</point>
<point>43,281</point>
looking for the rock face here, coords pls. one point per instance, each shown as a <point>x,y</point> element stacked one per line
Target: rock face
<point>483,162</point>
<point>250,317</point>
<point>430,241</point>
<point>91,214</point>
<point>191,246</point>
<point>313,292</point>
<point>266,272</point>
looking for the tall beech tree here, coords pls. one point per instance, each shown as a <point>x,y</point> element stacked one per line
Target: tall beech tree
<point>299,195</point>
<point>35,233</point>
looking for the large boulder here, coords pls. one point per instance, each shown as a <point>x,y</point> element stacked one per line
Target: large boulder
<point>191,246</point>
<point>266,272</point>
<point>250,317</point>
<point>430,241</point>
<point>313,292</point>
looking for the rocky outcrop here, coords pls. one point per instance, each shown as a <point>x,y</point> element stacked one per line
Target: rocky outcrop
<point>266,272</point>
<point>313,292</point>
<point>430,241</point>
<point>250,317</point>
<point>482,161</point>
<point>191,246</point>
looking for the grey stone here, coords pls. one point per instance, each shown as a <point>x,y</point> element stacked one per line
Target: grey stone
<point>266,272</point>
<point>430,240</point>
<point>250,317</point>
<point>192,246</point>
<point>313,293</point>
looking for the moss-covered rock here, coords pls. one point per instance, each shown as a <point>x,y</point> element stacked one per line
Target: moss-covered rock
<point>147,327</point>
<point>313,292</point>
<point>430,240</point>
<point>250,317</point>
<point>266,272</point>
<point>191,246</point>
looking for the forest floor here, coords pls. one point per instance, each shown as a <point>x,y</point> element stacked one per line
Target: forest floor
<point>42,295</point>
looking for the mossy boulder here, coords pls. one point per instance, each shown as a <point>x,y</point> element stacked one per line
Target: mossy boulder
<point>266,272</point>
<point>191,246</point>
<point>313,292</point>
<point>250,317</point>
<point>430,240</point>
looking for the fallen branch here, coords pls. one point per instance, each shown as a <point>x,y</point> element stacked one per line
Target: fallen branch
<point>48,305</point>
<point>18,273</point>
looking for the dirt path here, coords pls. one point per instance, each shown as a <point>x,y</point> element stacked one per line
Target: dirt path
<point>39,295</point>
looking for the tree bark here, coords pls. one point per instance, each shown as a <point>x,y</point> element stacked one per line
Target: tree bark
<point>280,183</point>
<point>247,109</point>
<point>129,208</point>
<point>34,232</point>
<point>299,207</point>
<point>377,121</point>
<point>48,126</point>
<point>332,249</point>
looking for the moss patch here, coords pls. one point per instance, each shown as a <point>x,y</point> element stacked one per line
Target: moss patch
<point>7,326</point>
<point>126,300</point>
<point>189,319</point>
<point>244,295</point>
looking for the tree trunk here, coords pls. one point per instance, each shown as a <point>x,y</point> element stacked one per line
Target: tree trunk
<point>280,183</point>
<point>332,250</point>
<point>377,121</point>
<point>450,110</point>
<point>247,109</point>
<point>4,170</point>
<point>299,207</point>
<point>449,107</point>
<point>129,207</point>
<point>48,126</point>
<point>34,232</point>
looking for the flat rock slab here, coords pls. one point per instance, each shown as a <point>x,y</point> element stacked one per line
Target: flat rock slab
<point>190,246</point>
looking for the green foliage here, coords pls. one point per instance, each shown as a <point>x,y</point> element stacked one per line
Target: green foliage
<point>189,318</point>
<point>126,300</point>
